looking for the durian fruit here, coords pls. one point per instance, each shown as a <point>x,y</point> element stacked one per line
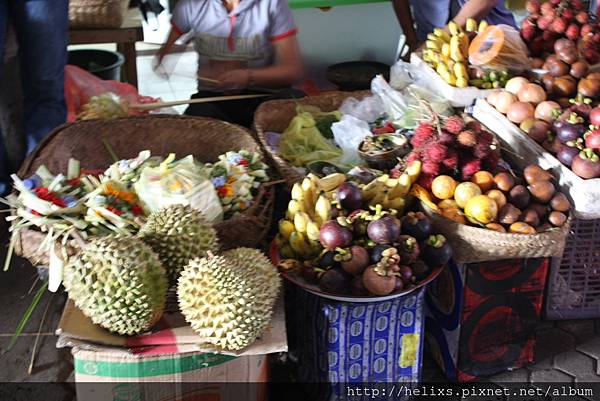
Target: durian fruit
<point>118,282</point>
<point>178,234</point>
<point>228,299</point>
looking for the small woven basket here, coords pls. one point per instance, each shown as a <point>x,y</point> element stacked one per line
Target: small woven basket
<point>473,244</point>
<point>90,14</point>
<point>276,115</point>
<point>205,138</point>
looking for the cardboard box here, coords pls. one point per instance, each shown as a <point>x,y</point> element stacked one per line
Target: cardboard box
<point>481,317</point>
<point>171,363</point>
<point>338,343</point>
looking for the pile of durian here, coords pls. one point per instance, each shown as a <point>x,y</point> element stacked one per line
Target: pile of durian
<point>120,282</point>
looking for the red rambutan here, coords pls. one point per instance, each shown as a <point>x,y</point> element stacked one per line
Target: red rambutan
<point>413,156</point>
<point>469,168</point>
<point>451,160</point>
<point>485,137</point>
<point>431,167</point>
<point>582,17</point>
<point>482,150</point>
<point>446,138</point>
<point>533,6</point>
<point>435,151</point>
<point>528,33</point>
<point>467,138</point>
<point>423,133</point>
<point>425,180</point>
<point>473,125</point>
<point>573,32</point>
<point>454,124</point>
<point>559,25</point>
<point>491,161</point>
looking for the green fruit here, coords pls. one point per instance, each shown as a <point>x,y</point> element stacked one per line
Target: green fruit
<point>178,234</point>
<point>119,283</point>
<point>228,299</point>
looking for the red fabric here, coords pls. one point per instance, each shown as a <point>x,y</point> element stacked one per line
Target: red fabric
<point>230,39</point>
<point>176,28</point>
<point>284,35</point>
<point>81,85</point>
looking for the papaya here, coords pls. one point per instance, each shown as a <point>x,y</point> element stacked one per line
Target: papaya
<point>499,47</point>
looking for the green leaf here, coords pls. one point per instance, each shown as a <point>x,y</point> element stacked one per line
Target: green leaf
<point>34,303</point>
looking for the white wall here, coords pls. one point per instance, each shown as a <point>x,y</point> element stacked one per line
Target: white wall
<point>347,33</point>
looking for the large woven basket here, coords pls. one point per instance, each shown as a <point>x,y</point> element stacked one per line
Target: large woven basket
<point>276,115</point>
<point>473,244</point>
<point>89,14</point>
<point>205,138</point>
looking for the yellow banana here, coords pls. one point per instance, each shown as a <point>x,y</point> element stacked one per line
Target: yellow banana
<point>413,169</point>
<point>378,198</point>
<point>312,231</point>
<point>296,192</point>
<point>322,210</point>
<point>462,82</point>
<point>310,195</point>
<point>396,204</point>
<point>430,44</point>
<point>440,33</point>
<point>286,228</point>
<point>446,49</point>
<point>402,188</point>
<point>293,207</point>
<point>301,220</point>
<point>471,25</point>
<point>287,252</point>
<point>383,178</point>
<point>454,28</point>
<point>391,183</point>
<point>300,245</point>
<point>331,181</point>
<point>460,70</point>
<point>455,50</point>
<point>372,189</point>
<point>482,25</point>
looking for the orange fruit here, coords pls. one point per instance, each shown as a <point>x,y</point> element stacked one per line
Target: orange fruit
<point>484,180</point>
<point>481,209</point>
<point>443,187</point>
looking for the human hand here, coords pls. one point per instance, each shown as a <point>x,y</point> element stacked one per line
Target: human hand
<point>234,79</point>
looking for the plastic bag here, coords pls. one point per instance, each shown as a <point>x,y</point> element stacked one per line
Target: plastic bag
<point>302,143</point>
<point>81,85</point>
<point>499,47</point>
<point>410,105</point>
<point>368,109</point>
<point>348,134</point>
<point>402,74</point>
<point>178,182</point>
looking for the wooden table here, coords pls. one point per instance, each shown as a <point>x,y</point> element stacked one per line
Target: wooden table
<point>125,38</point>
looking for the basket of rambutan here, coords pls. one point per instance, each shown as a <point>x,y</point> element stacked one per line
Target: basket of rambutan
<point>485,217</point>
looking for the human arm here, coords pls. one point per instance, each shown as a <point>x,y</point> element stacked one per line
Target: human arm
<point>404,15</point>
<point>174,34</point>
<point>476,9</point>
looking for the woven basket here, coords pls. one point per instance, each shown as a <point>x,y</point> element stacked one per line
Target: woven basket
<point>89,14</point>
<point>472,244</point>
<point>205,138</point>
<point>276,115</point>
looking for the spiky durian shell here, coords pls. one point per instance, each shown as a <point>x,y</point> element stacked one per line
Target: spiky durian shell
<point>119,283</point>
<point>178,234</point>
<point>228,299</point>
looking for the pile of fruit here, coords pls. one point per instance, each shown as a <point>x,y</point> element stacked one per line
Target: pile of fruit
<point>525,204</point>
<point>448,54</point>
<point>454,146</point>
<point>337,237</point>
<point>553,20</point>
<point>572,133</point>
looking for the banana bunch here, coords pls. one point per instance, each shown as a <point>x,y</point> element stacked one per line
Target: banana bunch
<point>448,53</point>
<point>390,192</point>
<point>309,208</point>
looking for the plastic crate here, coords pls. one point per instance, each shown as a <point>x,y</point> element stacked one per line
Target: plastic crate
<point>574,284</point>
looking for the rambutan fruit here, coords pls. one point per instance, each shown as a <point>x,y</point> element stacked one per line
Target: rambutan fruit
<point>425,180</point>
<point>467,138</point>
<point>451,160</point>
<point>491,161</point>
<point>454,124</point>
<point>413,156</point>
<point>469,168</point>
<point>482,150</point>
<point>431,167</point>
<point>423,133</point>
<point>435,151</point>
<point>446,138</point>
<point>473,126</point>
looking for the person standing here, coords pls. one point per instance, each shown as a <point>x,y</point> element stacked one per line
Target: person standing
<point>427,15</point>
<point>41,28</point>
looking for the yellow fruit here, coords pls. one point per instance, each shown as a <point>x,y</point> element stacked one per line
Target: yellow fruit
<point>498,197</point>
<point>443,187</point>
<point>481,209</point>
<point>462,82</point>
<point>484,180</point>
<point>471,25</point>
<point>465,191</point>
<point>454,214</point>
<point>521,228</point>
<point>448,204</point>
<point>495,227</point>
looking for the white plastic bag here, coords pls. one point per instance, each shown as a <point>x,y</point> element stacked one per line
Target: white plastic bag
<point>181,182</point>
<point>402,74</point>
<point>368,109</point>
<point>348,133</point>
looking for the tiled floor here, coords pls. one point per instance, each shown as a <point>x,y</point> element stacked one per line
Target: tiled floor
<point>179,83</point>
